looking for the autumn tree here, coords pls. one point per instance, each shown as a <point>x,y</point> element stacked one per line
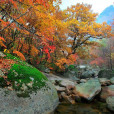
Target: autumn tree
<point>27,26</point>
<point>83,28</point>
<point>103,56</point>
<point>38,31</point>
<point>82,33</point>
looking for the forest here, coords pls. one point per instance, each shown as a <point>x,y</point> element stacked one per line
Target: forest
<point>39,32</point>
<point>54,60</point>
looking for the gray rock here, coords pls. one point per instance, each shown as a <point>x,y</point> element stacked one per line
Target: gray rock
<point>88,74</point>
<point>112,80</point>
<point>59,80</point>
<point>47,70</point>
<point>60,89</point>
<point>71,75</point>
<point>106,73</point>
<point>89,89</point>
<point>83,80</point>
<point>2,55</point>
<point>110,103</point>
<point>66,82</point>
<point>104,81</point>
<point>44,101</point>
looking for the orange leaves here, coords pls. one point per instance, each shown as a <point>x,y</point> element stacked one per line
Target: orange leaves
<point>63,61</point>
<point>21,21</point>
<point>72,59</point>
<point>31,2</point>
<point>1,38</point>
<point>4,23</point>
<point>43,2</point>
<point>34,51</point>
<point>6,63</point>
<point>20,55</point>
<point>14,3</point>
<point>1,42</point>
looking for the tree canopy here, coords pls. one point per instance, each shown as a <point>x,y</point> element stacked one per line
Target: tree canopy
<point>39,31</point>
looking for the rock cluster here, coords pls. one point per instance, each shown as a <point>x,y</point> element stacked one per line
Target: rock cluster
<point>84,89</point>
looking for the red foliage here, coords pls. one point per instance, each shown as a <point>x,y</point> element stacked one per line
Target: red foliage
<point>97,61</point>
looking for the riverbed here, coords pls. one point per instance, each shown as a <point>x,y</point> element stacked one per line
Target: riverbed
<point>82,108</point>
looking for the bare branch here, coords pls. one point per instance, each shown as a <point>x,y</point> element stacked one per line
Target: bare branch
<point>15,19</point>
<point>21,26</point>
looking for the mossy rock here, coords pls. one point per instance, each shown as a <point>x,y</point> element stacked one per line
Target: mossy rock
<point>26,82</point>
<point>22,75</point>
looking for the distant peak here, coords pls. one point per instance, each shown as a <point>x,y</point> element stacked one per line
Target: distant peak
<point>107,15</point>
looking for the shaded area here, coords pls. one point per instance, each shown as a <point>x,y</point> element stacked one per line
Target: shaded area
<point>82,108</point>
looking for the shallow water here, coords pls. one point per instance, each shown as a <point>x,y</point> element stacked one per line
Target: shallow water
<point>82,108</point>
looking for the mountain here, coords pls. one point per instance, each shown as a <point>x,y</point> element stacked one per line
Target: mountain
<point>107,15</point>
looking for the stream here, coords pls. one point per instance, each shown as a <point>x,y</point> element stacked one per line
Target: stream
<point>82,108</point>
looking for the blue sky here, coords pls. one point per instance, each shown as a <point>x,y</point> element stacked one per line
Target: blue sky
<point>97,5</point>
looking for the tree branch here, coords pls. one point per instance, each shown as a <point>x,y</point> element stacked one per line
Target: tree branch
<point>15,19</point>
<point>20,25</point>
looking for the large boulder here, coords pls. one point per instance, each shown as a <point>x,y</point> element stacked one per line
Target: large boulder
<point>106,92</point>
<point>110,103</point>
<point>106,73</point>
<point>89,89</point>
<point>24,89</point>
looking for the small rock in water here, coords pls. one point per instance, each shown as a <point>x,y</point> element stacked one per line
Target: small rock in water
<point>68,98</point>
<point>112,80</point>
<point>110,103</point>
<point>106,92</point>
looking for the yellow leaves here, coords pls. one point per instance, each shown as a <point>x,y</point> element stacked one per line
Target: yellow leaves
<point>68,49</point>
<point>6,51</point>
<point>112,55</point>
<point>72,59</point>
<point>19,54</point>
<point>61,62</point>
<point>34,51</point>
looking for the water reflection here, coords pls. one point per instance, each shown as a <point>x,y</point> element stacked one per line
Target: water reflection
<point>82,108</point>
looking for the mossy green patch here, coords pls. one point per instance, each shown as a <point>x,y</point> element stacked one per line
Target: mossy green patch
<point>25,73</point>
<point>9,56</point>
<point>24,77</point>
